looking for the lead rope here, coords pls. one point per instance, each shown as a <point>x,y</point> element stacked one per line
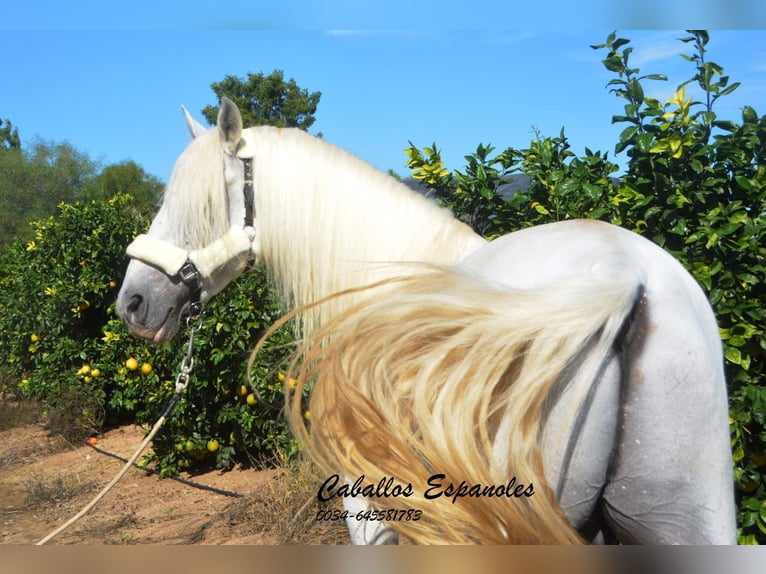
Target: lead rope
<point>182,381</point>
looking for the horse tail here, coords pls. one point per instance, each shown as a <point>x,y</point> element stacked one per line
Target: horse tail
<point>443,378</point>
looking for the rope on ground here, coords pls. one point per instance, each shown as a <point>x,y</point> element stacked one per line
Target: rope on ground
<point>116,479</point>
<point>176,478</point>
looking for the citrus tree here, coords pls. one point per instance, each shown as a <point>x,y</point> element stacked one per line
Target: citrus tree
<point>56,290</point>
<point>61,343</point>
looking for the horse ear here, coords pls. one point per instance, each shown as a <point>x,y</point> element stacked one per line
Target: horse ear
<point>195,128</point>
<point>230,125</point>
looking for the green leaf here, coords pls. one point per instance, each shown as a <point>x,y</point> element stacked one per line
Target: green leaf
<point>661,77</point>
<point>635,91</point>
<point>643,142</point>
<point>613,63</point>
<point>627,134</point>
<point>569,186</point>
<point>592,192</point>
<point>729,90</point>
<point>726,126</point>
<point>748,115</point>
<point>733,355</point>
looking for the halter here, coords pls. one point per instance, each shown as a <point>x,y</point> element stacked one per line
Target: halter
<point>192,267</point>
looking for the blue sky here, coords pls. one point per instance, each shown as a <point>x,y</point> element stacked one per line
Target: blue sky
<point>113,86</point>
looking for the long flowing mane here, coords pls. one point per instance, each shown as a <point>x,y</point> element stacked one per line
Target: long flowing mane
<point>330,221</point>
<point>192,196</point>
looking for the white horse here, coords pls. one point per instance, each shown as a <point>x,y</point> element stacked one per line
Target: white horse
<point>560,381</point>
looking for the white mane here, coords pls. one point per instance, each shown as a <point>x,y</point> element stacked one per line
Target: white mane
<point>330,221</point>
<point>195,197</point>
<point>327,220</point>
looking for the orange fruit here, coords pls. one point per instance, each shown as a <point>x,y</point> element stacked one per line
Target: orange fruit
<point>131,364</point>
<point>146,368</point>
<point>212,445</point>
<point>251,400</point>
<point>93,441</point>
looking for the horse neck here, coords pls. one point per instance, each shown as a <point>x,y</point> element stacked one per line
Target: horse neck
<point>330,222</point>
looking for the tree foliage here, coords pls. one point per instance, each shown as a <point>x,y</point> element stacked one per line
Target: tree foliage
<point>9,136</point>
<point>695,184</point>
<point>33,182</point>
<point>266,100</point>
<point>127,178</point>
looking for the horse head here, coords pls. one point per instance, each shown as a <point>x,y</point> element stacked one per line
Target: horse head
<point>202,237</point>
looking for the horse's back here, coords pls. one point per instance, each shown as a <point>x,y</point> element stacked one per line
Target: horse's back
<point>668,472</point>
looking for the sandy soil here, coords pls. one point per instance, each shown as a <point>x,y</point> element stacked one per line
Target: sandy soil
<point>44,481</point>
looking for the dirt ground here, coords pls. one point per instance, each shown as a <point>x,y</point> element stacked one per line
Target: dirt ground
<point>44,481</point>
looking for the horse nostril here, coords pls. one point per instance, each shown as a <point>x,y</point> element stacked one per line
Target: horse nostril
<point>135,303</point>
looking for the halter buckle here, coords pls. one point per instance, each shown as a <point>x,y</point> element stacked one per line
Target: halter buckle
<point>189,274</point>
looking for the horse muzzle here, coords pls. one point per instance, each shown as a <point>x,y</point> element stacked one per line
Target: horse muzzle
<point>152,303</point>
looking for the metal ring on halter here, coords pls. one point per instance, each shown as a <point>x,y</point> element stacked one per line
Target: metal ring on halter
<point>190,276</point>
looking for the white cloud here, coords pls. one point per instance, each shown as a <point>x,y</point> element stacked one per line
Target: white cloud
<point>660,46</point>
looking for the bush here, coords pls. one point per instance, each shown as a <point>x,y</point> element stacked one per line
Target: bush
<point>62,344</point>
<point>696,185</point>
<point>55,295</point>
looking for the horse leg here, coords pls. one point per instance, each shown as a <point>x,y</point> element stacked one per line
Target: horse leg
<point>366,531</point>
<point>670,480</point>
<point>577,449</point>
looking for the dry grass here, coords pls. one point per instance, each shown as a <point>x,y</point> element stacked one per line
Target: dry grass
<point>76,414</point>
<point>42,491</point>
<point>284,511</point>
<point>14,413</point>
<point>115,531</point>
